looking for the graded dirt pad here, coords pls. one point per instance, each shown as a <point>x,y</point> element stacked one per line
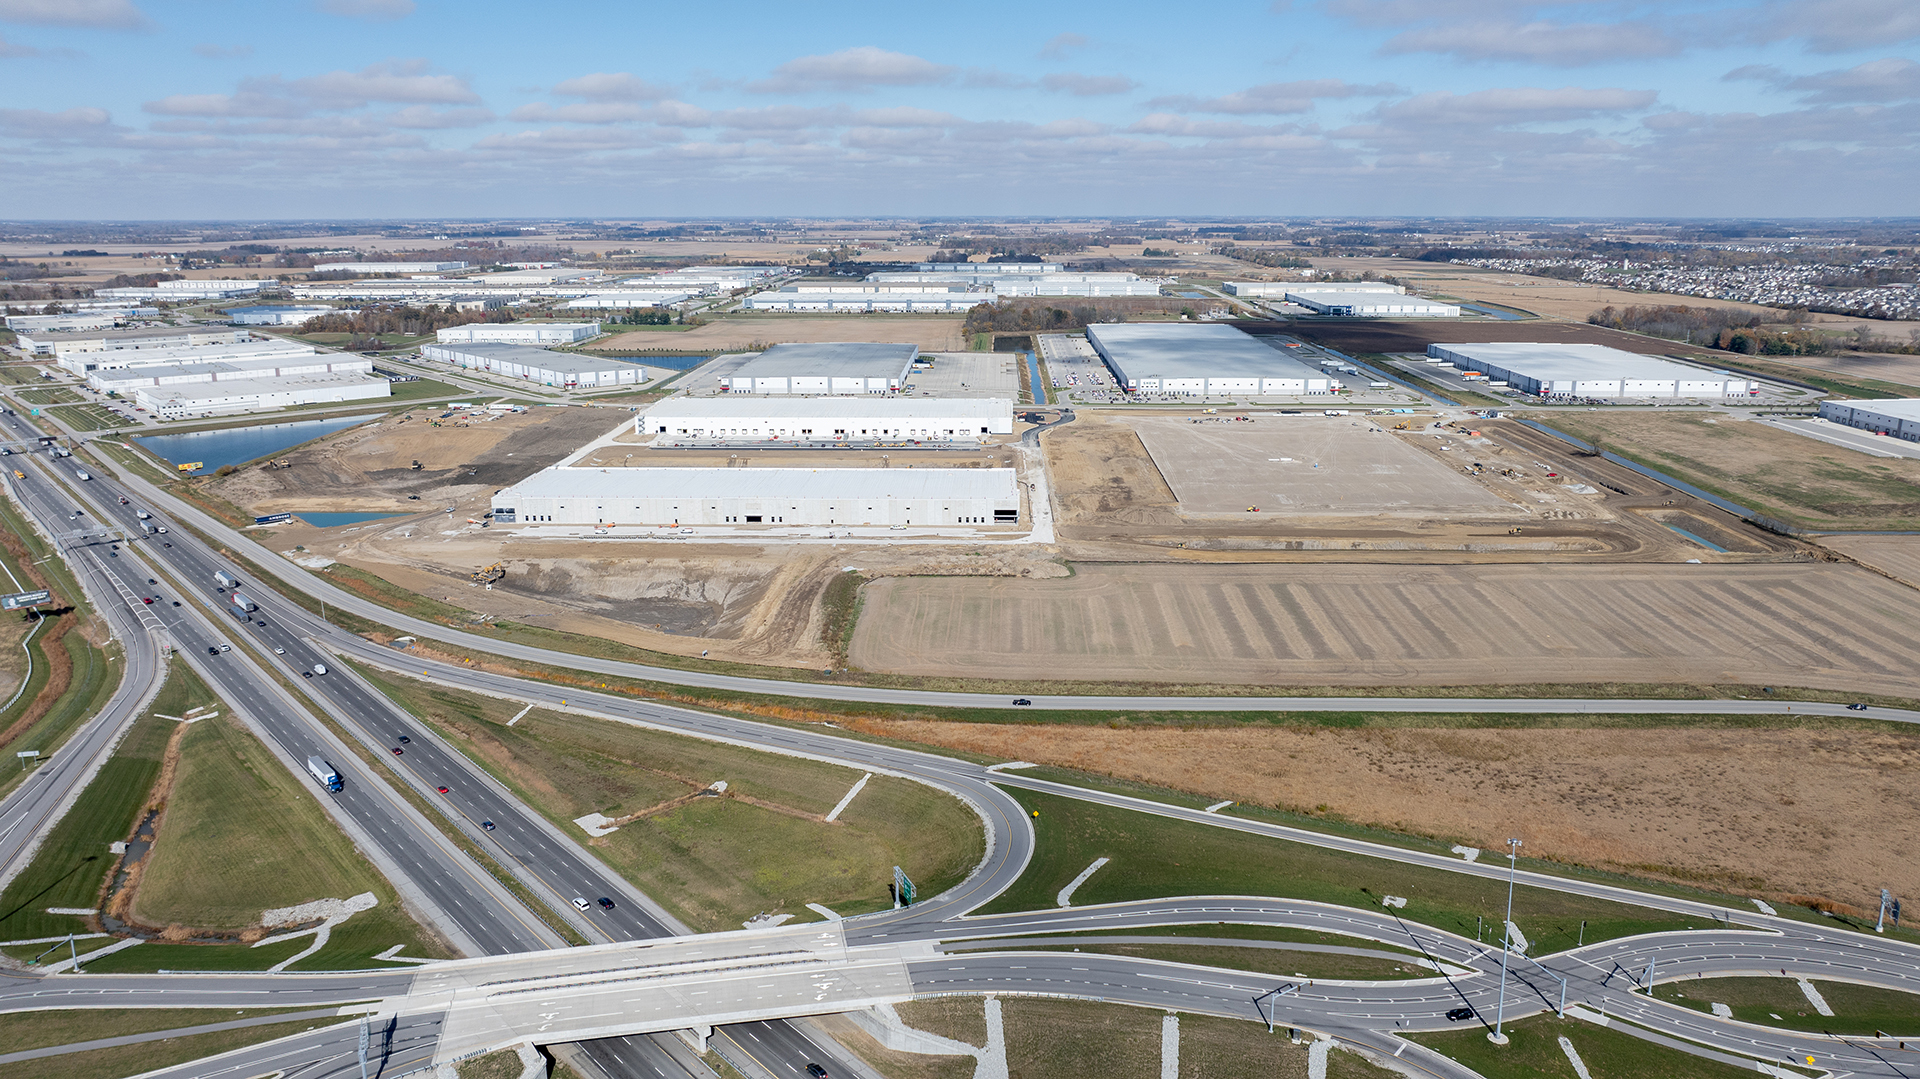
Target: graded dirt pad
<point>1777,473</point>
<point>1772,812</point>
<point>1895,556</point>
<point>371,467</point>
<point>931,334</point>
<point>1302,464</point>
<point>1831,626</point>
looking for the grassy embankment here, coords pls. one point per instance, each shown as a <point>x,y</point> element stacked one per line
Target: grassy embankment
<point>1154,857</point>
<point>1534,1052</point>
<point>1777,473</point>
<point>1300,964</point>
<point>239,834</point>
<point>50,395</point>
<point>713,861</point>
<point>141,1057</point>
<point>88,417</point>
<point>1778,1002</point>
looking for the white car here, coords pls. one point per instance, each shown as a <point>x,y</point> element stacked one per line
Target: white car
<point>279,651</point>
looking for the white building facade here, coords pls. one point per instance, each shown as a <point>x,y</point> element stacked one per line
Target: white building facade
<point>1896,417</point>
<point>837,367</point>
<point>825,419</point>
<point>1580,370</point>
<point>518,333</point>
<point>548,368</point>
<point>1201,360</point>
<point>671,497</point>
<point>226,398</point>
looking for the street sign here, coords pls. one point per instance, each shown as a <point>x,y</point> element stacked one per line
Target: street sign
<point>903,890</point>
<point>24,599</point>
<point>273,519</point>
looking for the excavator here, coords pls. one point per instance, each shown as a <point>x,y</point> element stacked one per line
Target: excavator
<point>490,574</point>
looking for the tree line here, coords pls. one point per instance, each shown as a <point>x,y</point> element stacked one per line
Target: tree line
<point>1048,314</point>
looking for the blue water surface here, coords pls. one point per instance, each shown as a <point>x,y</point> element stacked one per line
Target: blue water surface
<point>335,520</point>
<point>238,445</point>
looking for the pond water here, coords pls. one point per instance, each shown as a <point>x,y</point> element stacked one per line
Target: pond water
<point>238,445</point>
<point>335,520</point>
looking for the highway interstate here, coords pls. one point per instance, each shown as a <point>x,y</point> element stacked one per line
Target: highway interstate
<point>412,1027</point>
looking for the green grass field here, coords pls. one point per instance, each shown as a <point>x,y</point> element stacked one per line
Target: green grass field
<point>243,834</point>
<point>50,395</point>
<point>19,374</point>
<point>40,1029</point>
<point>1258,960</point>
<point>89,417</point>
<point>72,864</point>
<point>714,862</point>
<point>1778,1002</point>
<point>147,1056</point>
<point>1154,857</point>
<point>1534,1052</point>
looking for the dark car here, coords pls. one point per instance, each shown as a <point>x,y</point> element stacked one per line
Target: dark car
<point>1454,1015</point>
<point>487,824</point>
<point>176,603</point>
<point>261,622</point>
<point>404,740</point>
<point>605,903</point>
<point>1022,701</point>
<point>306,674</point>
<point>152,581</point>
<point>816,1071</point>
<point>1856,707</point>
<point>212,651</point>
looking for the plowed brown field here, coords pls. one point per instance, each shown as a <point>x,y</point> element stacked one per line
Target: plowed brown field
<point>1833,626</point>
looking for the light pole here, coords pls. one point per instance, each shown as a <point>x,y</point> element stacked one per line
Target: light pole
<point>1499,1037</point>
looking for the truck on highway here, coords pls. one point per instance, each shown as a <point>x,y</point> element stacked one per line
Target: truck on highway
<point>225,579</point>
<point>327,775</point>
<point>80,472</point>
<point>242,606</point>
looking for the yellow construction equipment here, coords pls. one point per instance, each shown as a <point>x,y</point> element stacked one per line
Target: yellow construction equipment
<point>490,574</point>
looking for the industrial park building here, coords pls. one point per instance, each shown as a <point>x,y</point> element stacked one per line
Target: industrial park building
<point>1895,416</point>
<point>540,365</point>
<point>990,267</point>
<point>1575,370</point>
<point>259,394</point>
<point>874,297</point>
<point>128,379</point>
<point>1027,284</point>
<point>817,419</point>
<point>1279,289</point>
<point>86,364</point>
<point>837,367</point>
<point>668,497</point>
<point>1350,303</point>
<point>1192,359</point>
<point>66,344</point>
<point>276,315</point>
<point>623,300</point>
<point>178,291</point>
<point>388,267</point>
<point>78,322</point>
<point>518,333</point>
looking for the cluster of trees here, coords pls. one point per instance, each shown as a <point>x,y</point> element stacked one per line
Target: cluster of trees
<point>642,316</point>
<point>1722,328</point>
<point>371,321</point>
<point>1263,256</point>
<point>1045,314</point>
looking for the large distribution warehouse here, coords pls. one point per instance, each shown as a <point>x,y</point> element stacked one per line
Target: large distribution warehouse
<point>540,365</point>
<point>129,379</point>
<point>225,397</point>
<point>518,333</point>
<point>838,367</point>
<point>1345,302</point>
<point>668,497</point>
<point>826,419</point>
<point>1573,370</point>
<point>1192,359</point>
<point>1895,416</point>
<point>42,343</point>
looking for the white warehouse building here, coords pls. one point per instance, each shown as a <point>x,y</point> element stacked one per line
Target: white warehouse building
<point>945,298</point>
<point>1895,416</point>
<point>1350,303</point>
<point>669,497</point>
<point>42,343</point>
<point>1203,359</point>
<point>540,365</point>
<point>86,363</point>
<point>129,379</point>
<point>518,333</point>
<point>388,267</point>
<point>277,314</point>
<point>1579,370</point>
<point>1279,289</point>
<point>836,367</point>
<point>79,321</point>
<point>826,419</point>
<point>259,394</point>
<point>620,301</point>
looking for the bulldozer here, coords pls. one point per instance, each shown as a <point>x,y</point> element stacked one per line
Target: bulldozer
<point>490,574</point>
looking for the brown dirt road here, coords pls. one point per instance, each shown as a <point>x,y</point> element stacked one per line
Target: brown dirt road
<point>1830,626</point>
<point>1767,812</point>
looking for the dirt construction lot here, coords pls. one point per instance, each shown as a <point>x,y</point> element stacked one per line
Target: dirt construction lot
<point>1773,812</point>
<point>1831,626</point>
<point>931,334</point>
<point>1307,464</point>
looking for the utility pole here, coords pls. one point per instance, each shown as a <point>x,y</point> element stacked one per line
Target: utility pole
<point>1499,1036</point>
<point>364,1032</point>
<point>1886,903</point>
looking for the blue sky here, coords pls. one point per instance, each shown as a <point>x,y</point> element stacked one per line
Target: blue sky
<point>410,108</point>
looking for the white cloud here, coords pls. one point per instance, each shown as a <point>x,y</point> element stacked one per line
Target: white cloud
<point>371,10</point>
<point>1830,25</point>
<point>1894,78</point>
<point>41,124</point>
<point>858,68</point>
<point>1538,42</point>
<point>244,103</point>
<point>905,117</point>
<point>1512,105</point>
<point>581,112</point>
<point>399,81</point>
<point>98,14</point>
<point>1275,98</point>
<point>427,118</point>
<point>605,86</point>
<point>1059,45</point>
<point>1088,85</point>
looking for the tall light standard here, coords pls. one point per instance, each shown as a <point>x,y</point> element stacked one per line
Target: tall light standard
<point>1499,1037</point>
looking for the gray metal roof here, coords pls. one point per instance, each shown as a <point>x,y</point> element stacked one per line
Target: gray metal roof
<point>544,358</point>
<point>696,484</point>
<point>1900,408</point>
<point>848,359</point>
<point>1190,350</point>
<point>1578,361</point>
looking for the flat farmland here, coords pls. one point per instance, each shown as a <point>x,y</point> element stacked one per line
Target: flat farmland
<point>1831,626</point>
<point>1302,464</point>
<point>728,334</point>
<point>1895,556</point>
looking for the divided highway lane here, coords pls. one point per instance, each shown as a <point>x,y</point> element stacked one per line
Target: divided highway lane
<point>347,601</point>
